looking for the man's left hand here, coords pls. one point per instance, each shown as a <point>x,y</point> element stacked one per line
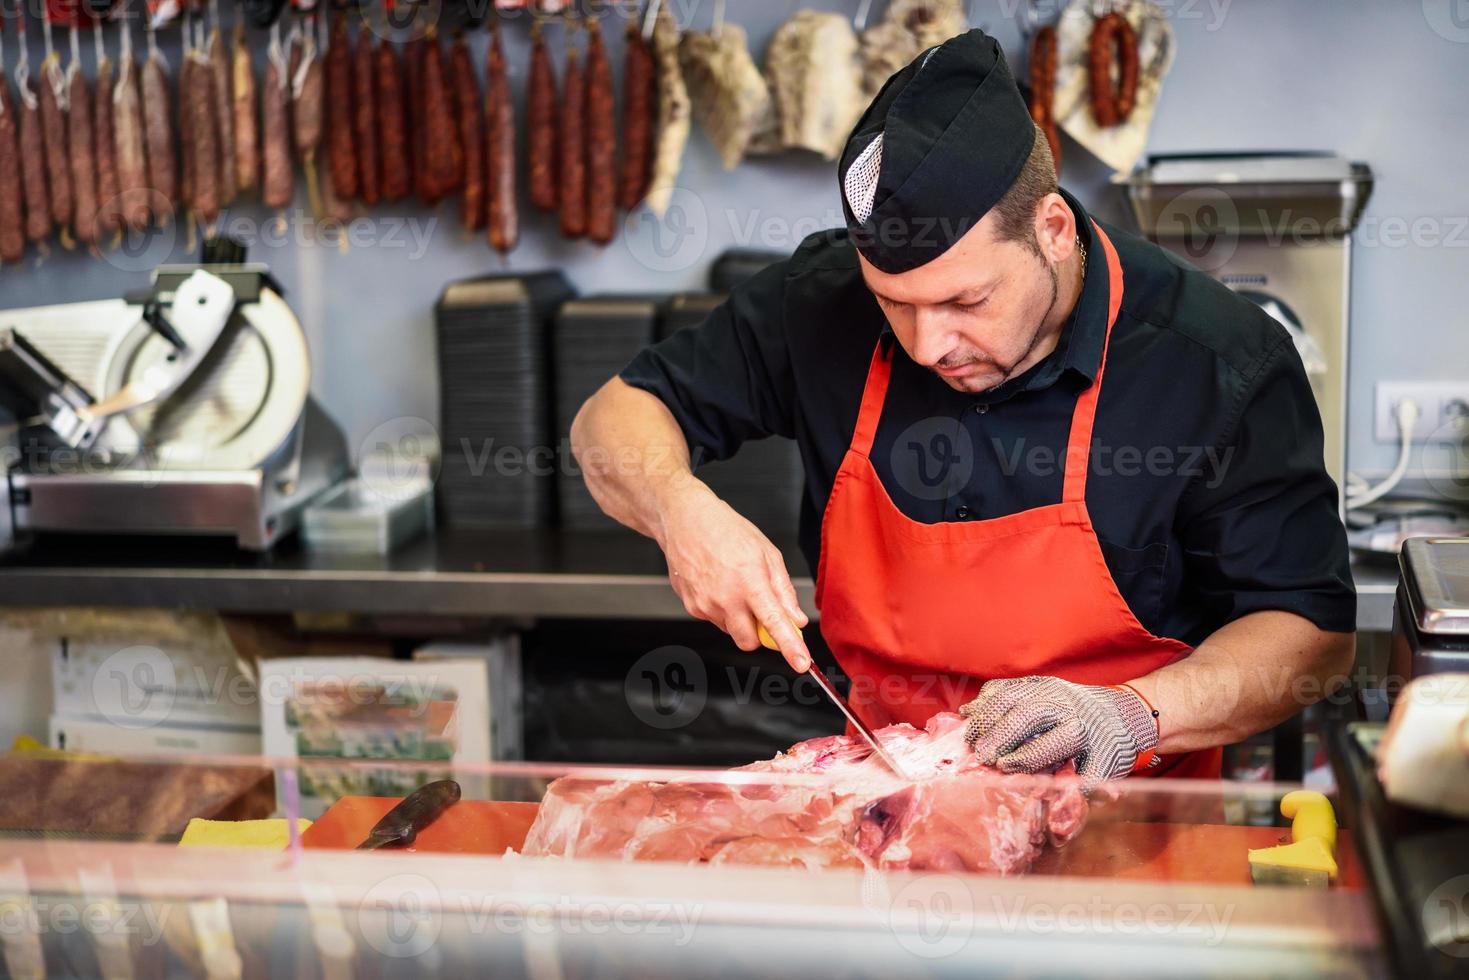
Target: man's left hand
<point>1035,724</point>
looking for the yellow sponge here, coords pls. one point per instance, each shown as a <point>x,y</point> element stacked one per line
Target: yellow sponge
<point>271,834</point>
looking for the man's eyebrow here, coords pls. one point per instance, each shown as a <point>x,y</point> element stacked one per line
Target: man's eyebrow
<point>971,291</point>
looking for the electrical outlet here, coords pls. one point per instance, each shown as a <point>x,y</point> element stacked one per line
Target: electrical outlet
<point>1443,410</point>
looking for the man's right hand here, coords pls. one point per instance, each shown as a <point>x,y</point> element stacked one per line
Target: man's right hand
<point>727,572</point>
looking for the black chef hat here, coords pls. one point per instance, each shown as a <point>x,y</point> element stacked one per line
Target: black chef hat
<point>943,141</point>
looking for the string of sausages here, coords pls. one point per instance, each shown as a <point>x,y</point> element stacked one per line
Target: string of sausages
<point>143,142</point>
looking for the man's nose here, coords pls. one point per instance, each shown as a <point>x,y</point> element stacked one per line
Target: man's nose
<point>932,340</point>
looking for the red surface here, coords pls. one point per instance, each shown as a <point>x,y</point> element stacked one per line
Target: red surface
<point>467,827</point>
<point>921,615</point>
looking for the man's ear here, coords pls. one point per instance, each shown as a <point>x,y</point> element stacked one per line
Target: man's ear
<point>1055,228</point>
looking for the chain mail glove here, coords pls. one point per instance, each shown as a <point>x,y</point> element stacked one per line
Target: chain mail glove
<point>1034,724</point>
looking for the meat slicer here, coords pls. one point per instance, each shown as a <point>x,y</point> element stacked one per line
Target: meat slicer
<point>181,410</point>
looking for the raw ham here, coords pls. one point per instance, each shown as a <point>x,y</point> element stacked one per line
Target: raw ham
<point>829,804</point>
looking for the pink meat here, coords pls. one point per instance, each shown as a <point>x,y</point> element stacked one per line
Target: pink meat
<point>955,816</point>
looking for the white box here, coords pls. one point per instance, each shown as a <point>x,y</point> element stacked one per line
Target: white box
<point>99,735</point>
<point>138,685</point>
<point>501,656</point>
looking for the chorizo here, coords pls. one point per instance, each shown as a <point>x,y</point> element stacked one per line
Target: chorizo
<point>364,118</point>
<point>188,158</point>
<point>503,215</point>
<point>393,124</point>
<point>33,161</point>
<point>12,197</point>
<point>198,103</point>
<point>222,115</point>
<point>278,179</point>
<point>109,213</point>
<point>81,151</point>
<point>571,148</point>
<point>53,131</point>
<point>1043,89</point>
<point>158,132</point>
<point>541,124</point>
<point>415,55</point>
<point>443,154</point>
<point>127,135</point>
<point>471,135</point>
<point>1112,50</point>
<point>640,95</point>
<point>601,139</point>
<point>243,107</point>
<point>341,144</point>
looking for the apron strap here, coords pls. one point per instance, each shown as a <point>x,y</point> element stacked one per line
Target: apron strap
<point>874,393</point>
<point>1079,445</point>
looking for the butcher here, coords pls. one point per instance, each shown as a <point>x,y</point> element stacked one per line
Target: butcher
<point>1056,479</point>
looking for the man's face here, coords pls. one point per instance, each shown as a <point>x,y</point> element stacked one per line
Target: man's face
<point>975,314</point>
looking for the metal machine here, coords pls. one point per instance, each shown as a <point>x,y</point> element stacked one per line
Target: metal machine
<point>185,410</point>
<point>1277,229</point>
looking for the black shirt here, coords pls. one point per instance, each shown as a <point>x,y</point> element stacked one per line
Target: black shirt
<point>1206,482</point>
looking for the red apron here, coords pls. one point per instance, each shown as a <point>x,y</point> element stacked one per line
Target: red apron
<point>920,615</point>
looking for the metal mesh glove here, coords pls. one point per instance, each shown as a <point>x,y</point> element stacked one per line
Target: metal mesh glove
<point>1034,724</point>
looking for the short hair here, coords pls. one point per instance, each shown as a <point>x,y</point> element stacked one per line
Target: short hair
<point>1016,210</point>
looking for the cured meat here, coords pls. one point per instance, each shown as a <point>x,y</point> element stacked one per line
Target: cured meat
<point>1112,39</point>
<point>639,104</point>
<point>728,92</point>
<point>222,115</point>
<point>128,135</point>
<point>443,153</point>
<point>503,216</point>
<point>571,148</point>
<point>601,138</point>
<point>674,113</point>
<point>201,149</point>
<point>393,126</point>
<point>109,214</point>
<point>414,55</point>
<point>158,130</point>
<point>1043,89</point>
<point>957,816</point>
<point>908,27</point>
<point>244,109</point>
<point>471,134</point>
<point>32,160</point>
<point>12,199</point>
<point>812,70</point>
<point>341,142</point>
<point>540,120</point>
<point>53,131</point>
<point>81,151</point>
<point>364,118</point>
<point>278,186</point>
<point>308,92</point>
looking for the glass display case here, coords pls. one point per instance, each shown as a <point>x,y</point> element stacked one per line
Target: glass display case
<point>139,868</point>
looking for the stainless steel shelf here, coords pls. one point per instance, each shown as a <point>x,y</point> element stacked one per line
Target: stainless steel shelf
<point>453,572</point>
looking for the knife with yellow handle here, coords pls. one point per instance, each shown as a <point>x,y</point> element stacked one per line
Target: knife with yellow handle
<point>768,641</point>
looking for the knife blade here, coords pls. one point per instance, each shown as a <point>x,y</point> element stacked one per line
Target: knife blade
<point>768,641</point>
<point>399,827</point>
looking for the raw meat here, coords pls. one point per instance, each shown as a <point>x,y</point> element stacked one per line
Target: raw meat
<point>828,804</point>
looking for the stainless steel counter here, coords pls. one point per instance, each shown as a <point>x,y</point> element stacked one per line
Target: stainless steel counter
<point>576,575</point>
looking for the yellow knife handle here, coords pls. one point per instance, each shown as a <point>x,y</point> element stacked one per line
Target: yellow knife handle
<point>1311,815</point>
<point>766,640</point>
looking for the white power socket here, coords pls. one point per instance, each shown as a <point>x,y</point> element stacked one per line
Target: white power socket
<point>1443,410</point>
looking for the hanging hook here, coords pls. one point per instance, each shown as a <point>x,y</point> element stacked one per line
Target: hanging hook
<point>859,22</point>
<point>650,18</point>
<point>718,19</point>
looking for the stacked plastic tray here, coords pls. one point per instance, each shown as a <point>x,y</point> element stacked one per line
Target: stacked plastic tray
<point>494,400</point>
<point>765,479</point>
<point>594,338</point>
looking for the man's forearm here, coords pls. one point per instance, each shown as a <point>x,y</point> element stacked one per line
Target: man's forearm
<point>632,453</point>
<point>1246,677</point>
